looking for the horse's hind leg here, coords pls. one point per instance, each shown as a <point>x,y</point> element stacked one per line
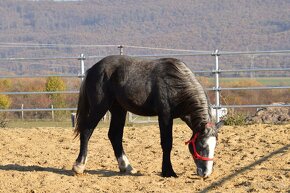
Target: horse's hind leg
<point>116,135</point>
<point>91,122</point>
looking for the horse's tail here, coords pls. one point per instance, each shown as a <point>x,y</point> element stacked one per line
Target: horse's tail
<point>83,108</point>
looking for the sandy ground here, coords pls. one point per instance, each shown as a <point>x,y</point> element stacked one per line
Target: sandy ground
<point>248,159</point>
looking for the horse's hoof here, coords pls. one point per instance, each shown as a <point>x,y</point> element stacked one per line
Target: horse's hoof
<point>78,168</point>
<point>128,170</point>
<point>131,170</point>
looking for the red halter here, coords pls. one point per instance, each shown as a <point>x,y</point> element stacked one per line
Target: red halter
<point>196,155</point>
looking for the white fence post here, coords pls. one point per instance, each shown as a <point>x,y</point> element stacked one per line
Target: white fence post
<point>22,112</point>
<point>82,66</point>
<point>52,113</point>
<point>217,85</point>
<point>121,49</point>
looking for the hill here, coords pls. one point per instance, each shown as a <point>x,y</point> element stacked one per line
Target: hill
<point>198,25</point>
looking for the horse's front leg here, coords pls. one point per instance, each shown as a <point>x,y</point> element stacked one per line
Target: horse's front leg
<point>165,124</point>
<point>116,135</point>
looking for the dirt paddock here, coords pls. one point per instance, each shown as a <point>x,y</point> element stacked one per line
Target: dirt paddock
<point>252,158</point>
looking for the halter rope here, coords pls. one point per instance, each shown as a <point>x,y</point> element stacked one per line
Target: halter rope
<point>195,154</point>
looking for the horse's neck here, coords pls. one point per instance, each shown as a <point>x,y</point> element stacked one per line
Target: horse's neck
<point>192,122</point>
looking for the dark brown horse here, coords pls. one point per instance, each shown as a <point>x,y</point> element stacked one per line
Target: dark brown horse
<point>165,88</point>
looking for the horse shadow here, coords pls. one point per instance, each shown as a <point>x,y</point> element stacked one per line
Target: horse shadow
<point>20,168</point>
<point>66,172</point>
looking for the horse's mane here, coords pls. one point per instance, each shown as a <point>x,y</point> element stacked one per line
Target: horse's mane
<point>191,94</point>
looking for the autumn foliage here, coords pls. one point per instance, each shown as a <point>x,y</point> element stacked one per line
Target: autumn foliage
<point>34,101</point>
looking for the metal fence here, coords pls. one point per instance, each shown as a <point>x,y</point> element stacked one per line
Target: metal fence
<point>216,73</point>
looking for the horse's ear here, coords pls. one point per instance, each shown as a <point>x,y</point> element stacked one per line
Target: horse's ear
<point>219,124</point>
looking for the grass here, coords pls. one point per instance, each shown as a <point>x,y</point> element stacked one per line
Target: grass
<point>269,81</point>
<point>37,123</point>
<point>278,81</point>
<point>265,81</point>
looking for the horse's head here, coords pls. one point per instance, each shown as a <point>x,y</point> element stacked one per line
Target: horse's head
<point>202,145</point>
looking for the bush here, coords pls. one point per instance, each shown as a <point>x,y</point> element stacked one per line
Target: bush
<point>55,84</point>
<point>5,102</point>
<point>235,119</point>
<point>5,85</point>
<point>3,122</point>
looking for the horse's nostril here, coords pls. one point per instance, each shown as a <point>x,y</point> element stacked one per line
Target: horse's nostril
<point>200,172</point>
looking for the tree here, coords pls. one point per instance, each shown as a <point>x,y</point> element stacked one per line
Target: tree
<point>57,100</point>
<point>5,102</point>
<point>54,84</point>
<point>5,85</point>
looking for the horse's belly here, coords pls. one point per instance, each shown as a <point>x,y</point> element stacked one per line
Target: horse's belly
<point>144,109</point>
<point>142,112</point>
<point>139,103</point>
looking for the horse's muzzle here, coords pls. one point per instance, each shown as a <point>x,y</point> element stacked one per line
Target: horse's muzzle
<point>205,173</point>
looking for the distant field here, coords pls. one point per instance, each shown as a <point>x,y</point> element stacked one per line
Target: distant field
<point>267,81</point>
<point>274,81</point>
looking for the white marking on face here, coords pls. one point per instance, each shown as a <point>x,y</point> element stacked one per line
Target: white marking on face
<point>211,143</point>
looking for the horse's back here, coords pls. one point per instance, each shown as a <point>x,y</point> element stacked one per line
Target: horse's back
<point>132,83</point>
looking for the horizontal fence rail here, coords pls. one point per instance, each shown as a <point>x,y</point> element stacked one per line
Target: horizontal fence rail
<point>254,70</point>
<point>255,52</point>
<point>43,76</point>
<point>242,70</point>
<point>29,59</point>
<point>249,88</point>
<point>216,72</point>
<point>40,92</point>
<point>251,106</point>
<point>38,109</point>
